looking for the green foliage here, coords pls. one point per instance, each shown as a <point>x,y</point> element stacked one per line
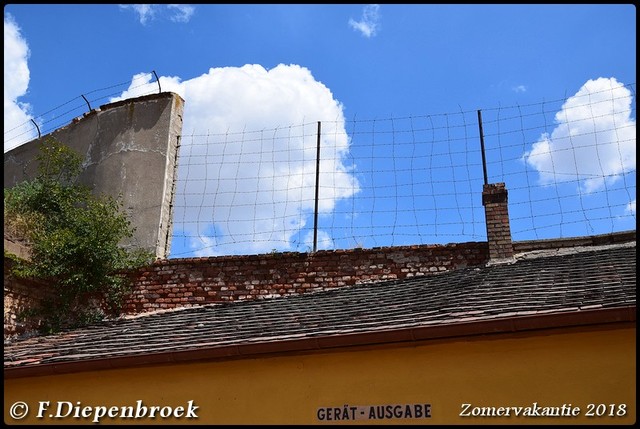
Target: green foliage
<point>74,238</point>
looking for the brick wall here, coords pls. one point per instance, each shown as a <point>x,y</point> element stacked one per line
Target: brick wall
<point>21,296</point>
<point>193,281</point>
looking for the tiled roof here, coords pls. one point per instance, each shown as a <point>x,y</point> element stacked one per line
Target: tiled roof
<point>599,278</point>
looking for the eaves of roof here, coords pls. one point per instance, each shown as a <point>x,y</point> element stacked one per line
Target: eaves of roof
<point>328,342</point>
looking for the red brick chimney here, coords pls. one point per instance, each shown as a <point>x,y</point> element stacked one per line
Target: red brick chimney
<point>494,200</point>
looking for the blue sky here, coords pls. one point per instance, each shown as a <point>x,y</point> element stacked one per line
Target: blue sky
<point>396,87</point>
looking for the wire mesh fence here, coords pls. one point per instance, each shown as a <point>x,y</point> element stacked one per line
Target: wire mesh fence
<point>568,165</point>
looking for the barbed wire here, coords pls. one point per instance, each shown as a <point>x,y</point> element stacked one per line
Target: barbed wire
<point>63,114</point>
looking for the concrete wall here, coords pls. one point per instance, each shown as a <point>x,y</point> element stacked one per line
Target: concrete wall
<point>130,150</point>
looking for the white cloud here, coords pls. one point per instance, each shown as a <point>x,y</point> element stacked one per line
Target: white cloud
<point>17,116</point>
<point>370,21</point>
<point>181,12</point>
<point>324,240</point>
<point>253,191</point>
<point>146,12</point>
<point>594,141</point>
<point>519,88</point>
<point>149,12</point>
<point>204,246</point>
<point>631,207</point>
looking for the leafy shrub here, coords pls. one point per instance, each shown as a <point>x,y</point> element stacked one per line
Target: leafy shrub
<point>74,239</point>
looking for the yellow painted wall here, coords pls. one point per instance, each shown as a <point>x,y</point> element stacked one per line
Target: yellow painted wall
<point>574,367</point>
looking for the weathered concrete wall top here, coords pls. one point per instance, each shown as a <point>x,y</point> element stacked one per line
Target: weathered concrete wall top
<point>130,149</point>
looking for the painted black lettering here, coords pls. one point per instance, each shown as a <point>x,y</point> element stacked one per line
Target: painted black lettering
<point>345,413</point>
<point>397,411</point>
<point>389,411</point>
<point>353,412</point>
<point>407,412</point>
<point>336,413</point>
<point>417,411</point>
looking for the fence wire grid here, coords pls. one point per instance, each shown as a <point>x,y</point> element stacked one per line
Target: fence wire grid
<point>568,165</point>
